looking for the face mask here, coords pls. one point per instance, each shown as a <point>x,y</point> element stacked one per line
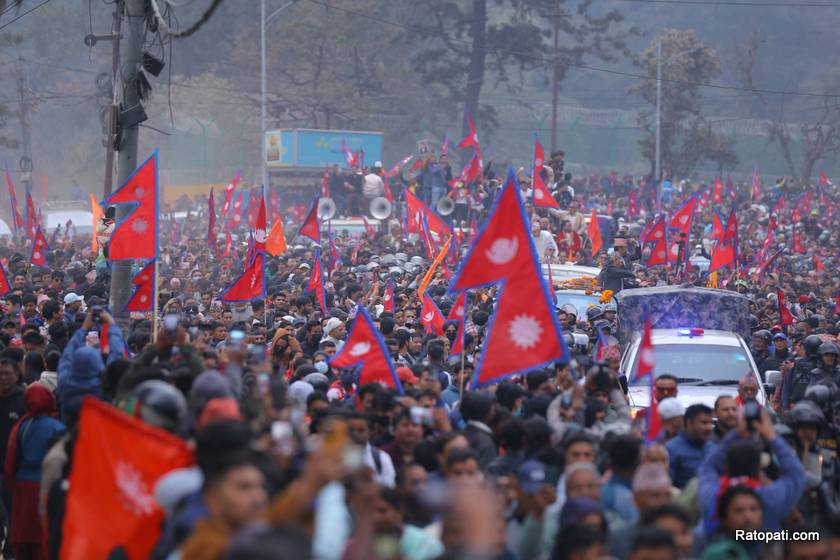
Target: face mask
<point>321,367</point>
<point>451,335</point>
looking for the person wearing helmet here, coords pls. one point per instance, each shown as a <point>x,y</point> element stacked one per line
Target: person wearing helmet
<point>593,313</point>
<point>797,381</point>
<point>611,314</point>
<point>827,397</point>
<point>827,365</point>
<point>806,420</point>
<point>741,286</point>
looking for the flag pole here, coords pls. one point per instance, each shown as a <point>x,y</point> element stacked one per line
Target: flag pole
<point>155,321</point>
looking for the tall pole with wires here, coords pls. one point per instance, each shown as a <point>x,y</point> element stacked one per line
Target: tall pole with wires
<point>128,68</point>
<point>113,111</point>
<point>658,163</point>
<point>263,88</point>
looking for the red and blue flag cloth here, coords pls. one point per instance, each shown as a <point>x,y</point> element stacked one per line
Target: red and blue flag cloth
<point>523,333</point>
<point>260,227</point>
<point>647,362</point>
<point>315,285</point>
<point>725,252</point>
<point>311,227</point>
<point>717,191</point>
<point>211,219</point>
<point>17,219</point>
<point>396,169</point>
<point>31,216</point>
<point>251,283</point>
<point>785,316</point>
<point>600,346</point>
<point>542,196</point>
<point>143,298</point>
<point>229,191</point>
<point>678,226</point>
<point>135,237</point>
<point>658,237</point>
<point>335,256</point>
<point>5,287</point>
<point>388,298</point>
<point>632,205</point>
<point>458,313</point>
<point>365,351</point>
<point>416,210</point>
<point>431,316</point>
<point>236,209</point>
<point>756,186</point>
<point>39,249</point>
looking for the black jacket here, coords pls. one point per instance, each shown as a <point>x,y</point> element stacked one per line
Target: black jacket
<point>483,443</point>
<point>616,278</point>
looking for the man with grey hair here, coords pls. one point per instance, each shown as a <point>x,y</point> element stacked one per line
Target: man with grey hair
<point>651,490</point>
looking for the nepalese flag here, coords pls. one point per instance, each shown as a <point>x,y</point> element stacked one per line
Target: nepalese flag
<point>632,205</point>
<point>389,194</point>
<point>253,208</point>
<point>260,228</point>
<point>805,202</point>
<point>325,183</point>
<point>354,255</point>
<point>31,216</point>
<point>798,247</point>
<point>824,181</point>
<point>143,297</point>
<point>818,264</point>
<point>594,233</point>
<point>228,241</point>
<point>725,252</point>
<point>542,196</point>
<point>39,249</point>
<point>311,227</point>
<point>135,237</point>
<point>756,192</point>
<point>17,219</point>
<point>211,219</point>
<point>351,158</point>
<point>525,333</point>
<point>458,313</point>
<point>396,169</point>
<point>836,303</point>
<point>780,205</point>
<point>365,351</point>
<point>274,199</point>
<point>717,192</point>
<point>229,191</point>
<point>335,256</point>
<point>250,285</point>
<point>704,199</point>
<point>431,317</point>
<point>5,287</point>
<point>315,285</point>
<point>388,298</point>
<point>785,316</point>
<point>471,139</point>
<point>657,236</point>
<point>600,346</point>
<point>369,230</point>
<point>681,222</point>
<point>717,226</point>
<point>647,363</point>
<point>236,209</point>
<point>472,170</point>
<point>416,211</point>
<point>116,489</point>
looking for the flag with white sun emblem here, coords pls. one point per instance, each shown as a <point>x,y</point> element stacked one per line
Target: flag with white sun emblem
<point>524,333</point>
<point>135,236</point>
<point>39,248</point>
<point>144,293</point>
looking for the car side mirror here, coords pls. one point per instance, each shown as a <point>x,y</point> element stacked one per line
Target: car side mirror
<point>773,379</point>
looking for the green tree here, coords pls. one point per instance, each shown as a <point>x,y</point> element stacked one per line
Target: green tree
<point>687,138</point>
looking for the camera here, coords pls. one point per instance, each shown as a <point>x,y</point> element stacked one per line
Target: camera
<point>752,413</point>
<point>96,313</point>
<point>170,326</point>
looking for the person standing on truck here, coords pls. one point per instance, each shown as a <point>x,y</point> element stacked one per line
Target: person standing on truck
<point>373,185</point>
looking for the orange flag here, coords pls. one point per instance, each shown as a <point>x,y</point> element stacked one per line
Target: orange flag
<point>275,243</point>
<point>97,212</point>
<point>431,272</point>
<point>116,463</point>
<point>595,233</point>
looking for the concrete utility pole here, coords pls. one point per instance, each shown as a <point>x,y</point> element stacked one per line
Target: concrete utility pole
<point>135,27</point>
<point>26,138</point>
<point>113,113</point>
<point>555,78</point>
<point>657,173</point>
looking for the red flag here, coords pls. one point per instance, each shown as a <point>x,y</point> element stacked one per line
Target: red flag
<point>325,183</point>
<point>416,209</point>
<point>5,287</point>
<point>717,227</point>
<point>725,252</point>
<point>31,216</point>
<point>228,241</point>
<point>472,138</point>
<point>682,219</point>
<point>17,219</point>
<point>369,231</point>
<point>115,489</point>
<point>311,227</point>
<point>253,208</point>
<point>236,210</point>
<point>818,264</point>
<point>785,316</point>
<point>473,228</point>
<point>229,194</point>
<point>430,316</point>
<point>250,285</point>
<point>632,205</point>
<point>396,169</point>
<point>717,192</point>
<point>824,182</point>
<point>388,299</point>
<point>524,332</point>
<point>659,251</point>
<point>756,192</point>
<point>459,313</point>
<point>316,283</point>
<point>780,205</point>
<point>798,247</point>
<point>472,170</point>
<point>135,237</point>
<point>143,297</point>
<point>389,195</point>
<point>211,222</point>
<point>365,350</point>
<point>260,227</point>
<point>39,249</point>
<point>594,233</point>
<point>542,196</point>
<point>647,362</point>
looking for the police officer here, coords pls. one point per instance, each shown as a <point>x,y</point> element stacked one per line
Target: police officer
<point>795,383</point>
<point>611,314</point>
<point>759,347</point>
<point>806,419</point>
<point>827,365</point>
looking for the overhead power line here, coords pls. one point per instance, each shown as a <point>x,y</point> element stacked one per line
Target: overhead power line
<point>587,67</point>
<point>29,11</point>
<point>748,4</point>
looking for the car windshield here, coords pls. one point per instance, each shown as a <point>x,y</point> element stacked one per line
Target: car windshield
<point>697,364</point>
<point>580,301</point>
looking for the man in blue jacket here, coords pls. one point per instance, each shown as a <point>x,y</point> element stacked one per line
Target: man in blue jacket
<point>81,366</point>
<point>688,449</point>
<point>736,460</point>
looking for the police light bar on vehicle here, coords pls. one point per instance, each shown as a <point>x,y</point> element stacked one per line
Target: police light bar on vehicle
<point>694,331</point>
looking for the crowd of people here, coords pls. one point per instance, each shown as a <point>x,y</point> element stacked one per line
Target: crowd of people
<point>293,459</point>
